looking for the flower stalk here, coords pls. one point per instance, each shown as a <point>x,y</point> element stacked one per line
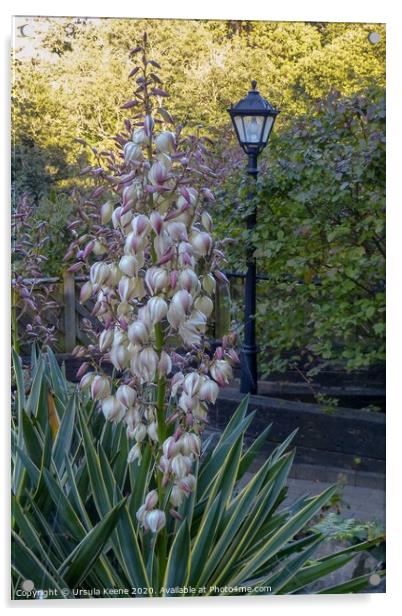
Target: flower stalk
<point>153,288</point>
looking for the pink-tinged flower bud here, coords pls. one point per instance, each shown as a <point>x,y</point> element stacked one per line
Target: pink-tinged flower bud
<point>190,444</point>
<point>192,384</point>
<point>132,193</point>
<point>119,337</point>
<point>88,249</point>
<point>221,276</point>
<point>99,273</point>
<point>123,323</point>
<point>179,466</point>
<point>132,152</point>
<point>170,447</point>
<point>233,356</point>
<point>138,333</point>
<point>100,387</point>
<point>82,369</point>
<point>157,308</point>
<point>187,403</point>
<point>191,330</point>
<point>156,222</point>
<point>173,278</point>
<point>86,292</point>
<point>157,174</point>
<point>86,380</point>
<point>174,214</point>
<point>130,264</point>
<point>147,364</point>
<point>164,160</point>
<point>208,194</point>
<point>126,395</point>
<point>106,212</point>
<point>162,244</point>
<point>185,254</point>
<point>177,231</point>
<point>165,364</point>
<point>76,266</point>
<point>188,280</point>
<point>164,464</point>
<point>155,520</point>
<point>134,454</point>
<point>116,217</point>
<point>189,419</point>
<point>143,316</point>
<point>219,352</point>
<point>156,279</point>
<point>139,137</point>
<point>141,225</point>
<point>168,256</point>
<point>148,125</point>
<point>114,275</point>
<point>126,287</point>
<point>205,305</point>
<point>176,382</point>
<point>140,515</point>
<point>201,243</point>
<point>112,409</point>
<point>125,220</point>
<point>165,142</point>
<point>206,221</point>
<point>105,340</point>
<point>208,391</point>
<point>134,244</point>
<point>176,496</point>
<point>188,483</point>
<point>119,357</point>
<point>140,432</point>
<point>209,284</point>
<point>179,307</point>
<point>153,431</point>
<point>151,500</point>
<point>221,372</point>
<point>188,195</point>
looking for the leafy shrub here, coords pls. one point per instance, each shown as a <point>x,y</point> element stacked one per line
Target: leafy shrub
<point>320,236</point>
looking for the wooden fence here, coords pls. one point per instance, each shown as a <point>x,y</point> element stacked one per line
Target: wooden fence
<point>69,319</point>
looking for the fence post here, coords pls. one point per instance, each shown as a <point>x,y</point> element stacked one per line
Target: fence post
<point>222,309</point>
<point>70,328</point>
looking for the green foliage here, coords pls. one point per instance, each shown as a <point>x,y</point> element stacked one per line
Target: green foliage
<point>59,93</point>
<point>55,210</point>
<point>75,497</point>
<point>320,236</point>
<point>335,526</point>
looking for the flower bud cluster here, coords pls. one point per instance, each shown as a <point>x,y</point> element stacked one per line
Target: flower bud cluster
<point>148,516</point>
<point>154,293</point>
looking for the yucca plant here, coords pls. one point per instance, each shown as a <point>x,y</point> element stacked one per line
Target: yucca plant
<point>75,498</point>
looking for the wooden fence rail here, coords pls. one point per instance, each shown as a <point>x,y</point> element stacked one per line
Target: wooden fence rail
<point>69,320</point>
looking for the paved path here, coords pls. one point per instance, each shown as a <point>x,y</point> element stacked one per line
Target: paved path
<point>363,504</point>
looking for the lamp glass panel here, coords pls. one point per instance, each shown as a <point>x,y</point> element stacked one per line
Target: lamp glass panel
<point>267,128</point>
<point>253,126</point>
<point>240,128</point>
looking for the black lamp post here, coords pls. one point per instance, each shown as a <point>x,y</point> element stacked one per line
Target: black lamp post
<point>253,118</point>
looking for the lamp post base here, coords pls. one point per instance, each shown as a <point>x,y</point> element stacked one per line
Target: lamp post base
<point>248,379</point>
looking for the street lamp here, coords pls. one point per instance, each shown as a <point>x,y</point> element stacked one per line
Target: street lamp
<point>253,118</point>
